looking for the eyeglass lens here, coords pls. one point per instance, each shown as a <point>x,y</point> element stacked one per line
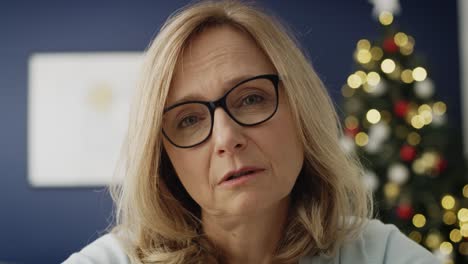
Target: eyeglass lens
<point>249,103</point>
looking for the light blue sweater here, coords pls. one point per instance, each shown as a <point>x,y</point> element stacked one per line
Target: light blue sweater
<point>378,243</point>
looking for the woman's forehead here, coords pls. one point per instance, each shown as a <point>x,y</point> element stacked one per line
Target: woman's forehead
<point>215,60</point>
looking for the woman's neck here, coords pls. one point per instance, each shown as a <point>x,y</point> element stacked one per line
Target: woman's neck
<point>248,238</point>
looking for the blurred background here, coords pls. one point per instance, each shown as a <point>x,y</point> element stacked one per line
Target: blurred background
<point>45,220</point>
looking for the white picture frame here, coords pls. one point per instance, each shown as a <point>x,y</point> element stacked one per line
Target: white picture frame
<point>78,107</point>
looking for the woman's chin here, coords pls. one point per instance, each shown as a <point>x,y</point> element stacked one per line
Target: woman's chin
<point>250,204</point>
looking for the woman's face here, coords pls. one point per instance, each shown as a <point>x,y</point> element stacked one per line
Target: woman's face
<point>272,149</point>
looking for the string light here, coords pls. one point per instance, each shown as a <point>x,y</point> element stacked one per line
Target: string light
<point>424,108</point>
<point>449,218</point>
<point>419,74</point>
<point>465,191</point>
<point>446,248</point>
<point>464,230</point>
<point>413,138</point>
<point>407,76</point>
<point>419,220</point>
<point>463,215</point>
<point>433,240</point>
<point>406,50</point>
<point>373,78</point>
<point>409,47</point>
<point>463,248</point>
<point>346,91</point>
<point>391,190</point>
<point>401,39</point>
<point>427,118</point>
<point>376,53</point>
<point>415,236</point>
<point>426,112</point>
<point>363,44</point>
<point>351,122</point>
<point>430,158</point>
<point>354,81</point>
<point>455,235</point>
<point>439,108</point>
<point>386,18</point>
<point>388,65</point>
<point>448,202</point>
<point>418,166</point>
<point>417,121</point>
<point>373,116</point>
<point>363,56</point>
<point>361,139</point>
<point>362,75</point>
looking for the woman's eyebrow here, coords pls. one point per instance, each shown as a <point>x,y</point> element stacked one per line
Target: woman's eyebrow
<point>230,83</point>
<point>189,97</point>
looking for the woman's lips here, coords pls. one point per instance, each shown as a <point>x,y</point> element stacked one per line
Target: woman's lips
<point>228,181</point>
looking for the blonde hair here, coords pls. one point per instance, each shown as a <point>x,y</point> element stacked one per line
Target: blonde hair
<point>158,222</point>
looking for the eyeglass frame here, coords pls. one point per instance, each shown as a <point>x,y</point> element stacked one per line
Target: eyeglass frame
<point>221,102</point>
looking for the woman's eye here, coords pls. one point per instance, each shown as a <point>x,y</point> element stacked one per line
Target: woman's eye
<point>252,99</point>
<point>188,121</point>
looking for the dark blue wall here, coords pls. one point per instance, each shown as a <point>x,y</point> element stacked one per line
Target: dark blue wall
<point>46,225</point>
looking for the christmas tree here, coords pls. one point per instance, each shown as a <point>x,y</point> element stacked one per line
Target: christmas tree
<point>400,131</point>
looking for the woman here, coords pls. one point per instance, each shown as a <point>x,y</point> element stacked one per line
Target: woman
<point>232,156</point>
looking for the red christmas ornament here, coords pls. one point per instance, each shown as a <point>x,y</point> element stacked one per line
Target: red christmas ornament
<point>401,108</point>
<point>404,211</point>
<point>351,132</point>
<point>407,153</point>
<point>390,46</point>
<point>441,165</point>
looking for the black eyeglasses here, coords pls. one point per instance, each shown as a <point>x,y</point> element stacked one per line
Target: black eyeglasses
<point>248,103</point>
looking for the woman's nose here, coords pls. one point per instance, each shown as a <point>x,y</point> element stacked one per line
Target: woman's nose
<point>227,135</point>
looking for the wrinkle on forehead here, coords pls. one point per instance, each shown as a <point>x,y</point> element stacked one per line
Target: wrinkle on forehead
<point>213,63</point>
<point>196,59</point>
<point>229,54</point>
